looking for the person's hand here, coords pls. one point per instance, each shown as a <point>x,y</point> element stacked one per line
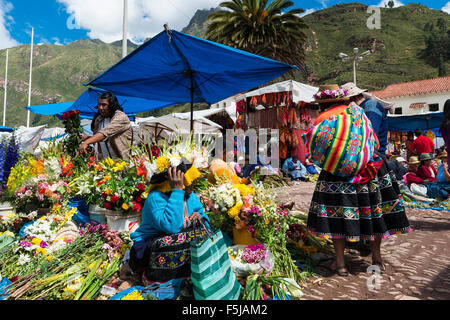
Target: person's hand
<point>83,148</point>
<point>176,178</point>
<point>195,217</point>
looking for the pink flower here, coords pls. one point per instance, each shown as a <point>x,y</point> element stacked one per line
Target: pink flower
<point>248,203</point>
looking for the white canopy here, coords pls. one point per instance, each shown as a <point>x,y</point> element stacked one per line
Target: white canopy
<point>300,91</point>
<point>179,123</point>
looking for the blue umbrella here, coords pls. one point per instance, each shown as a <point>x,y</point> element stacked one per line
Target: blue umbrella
<point>181,68</point>
<point>87,104</point>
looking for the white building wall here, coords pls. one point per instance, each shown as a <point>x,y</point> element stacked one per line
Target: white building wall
<point>405,101</point>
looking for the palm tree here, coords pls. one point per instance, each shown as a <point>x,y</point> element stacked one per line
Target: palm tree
<point>260,28</point>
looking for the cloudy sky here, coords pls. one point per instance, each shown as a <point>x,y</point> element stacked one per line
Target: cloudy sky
<point>65,21</point>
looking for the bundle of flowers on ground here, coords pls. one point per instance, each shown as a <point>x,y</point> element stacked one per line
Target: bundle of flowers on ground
<point>252,259</point>
<point>254,208</point>
<point>41,241</point>
<point>78,271</point>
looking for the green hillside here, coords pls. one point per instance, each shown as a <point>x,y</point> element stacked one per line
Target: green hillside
<point>396,48</point>
<point>59,72</point>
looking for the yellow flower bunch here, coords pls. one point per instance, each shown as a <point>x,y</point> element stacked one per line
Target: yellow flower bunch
<point>135,295</point>
<point>234,211</point>
<point>162,163</point>
<point>110,162</point>
<point>36,241</point>
<point>244,189</point>
<point>119,166</point>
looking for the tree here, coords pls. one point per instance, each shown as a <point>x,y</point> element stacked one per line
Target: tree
<point>442,70</point>
<point>258,27</point>
<point>391,4</point>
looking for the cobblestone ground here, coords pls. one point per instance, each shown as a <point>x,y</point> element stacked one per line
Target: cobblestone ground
<point>418,263</point>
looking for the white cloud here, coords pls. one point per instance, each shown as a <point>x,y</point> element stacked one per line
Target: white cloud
<point>6,41</point>
<point>446,8</point>
<point>103,18</point>
<point>384,3</point>
<point>307,11</point>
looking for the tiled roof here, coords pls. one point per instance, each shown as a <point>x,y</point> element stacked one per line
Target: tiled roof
<point>414,88</point>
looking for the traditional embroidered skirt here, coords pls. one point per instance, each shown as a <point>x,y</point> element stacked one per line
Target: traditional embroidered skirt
<point>341,210</point>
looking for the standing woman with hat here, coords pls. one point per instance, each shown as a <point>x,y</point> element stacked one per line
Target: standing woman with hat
<point>355,198</point>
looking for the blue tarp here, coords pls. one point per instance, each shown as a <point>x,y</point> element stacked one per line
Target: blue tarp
<point>6,129</point>
<point>87,103</point>
<point>172,65</point>
<point>428,121</point>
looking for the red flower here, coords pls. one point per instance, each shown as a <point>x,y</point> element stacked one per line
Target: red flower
<point>137,206</point>
<point>108,205</point>
<point>42,191</point>
<point>138,199</point>
<point>155,151</point>
<point>114,199</point>
<point>100,183</point>
<point>141,171</point>
<point>104,195</point>
<point>141,187</point>
<point>69,114</point>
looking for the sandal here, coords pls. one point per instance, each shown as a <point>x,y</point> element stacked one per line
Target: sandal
<point>380,265</point>
<point>342,271</point>
<point>339,270</point>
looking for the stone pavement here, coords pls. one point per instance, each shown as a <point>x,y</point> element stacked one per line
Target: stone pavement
<point>418,263</point>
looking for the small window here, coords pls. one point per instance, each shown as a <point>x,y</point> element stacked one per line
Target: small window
<point>398,111</point>
<point>433,107</point>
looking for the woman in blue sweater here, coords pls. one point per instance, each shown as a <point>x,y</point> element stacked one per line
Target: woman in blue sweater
<point>166,218</point>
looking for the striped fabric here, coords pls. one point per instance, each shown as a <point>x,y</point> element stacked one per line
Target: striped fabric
<point>344,143</point>
<point>211,272</point>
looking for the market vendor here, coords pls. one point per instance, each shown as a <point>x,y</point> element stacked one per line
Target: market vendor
<point>295,169</point>
<point>169,213</point>
<point>112,130</point>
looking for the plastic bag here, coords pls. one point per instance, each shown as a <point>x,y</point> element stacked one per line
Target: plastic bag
<point>419,189</point>
<point>244,269</point>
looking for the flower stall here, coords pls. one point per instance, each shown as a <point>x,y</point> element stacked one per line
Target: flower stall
<point>68,233</point>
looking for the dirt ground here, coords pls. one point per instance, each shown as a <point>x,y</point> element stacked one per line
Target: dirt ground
<point>417,263</point>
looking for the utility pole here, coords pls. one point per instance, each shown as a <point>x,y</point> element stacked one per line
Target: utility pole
<point>125,37</point>
<point>31,73</point>
<point>6,88</point>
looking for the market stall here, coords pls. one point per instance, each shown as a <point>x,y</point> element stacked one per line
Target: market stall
<point>69,229</point>
<point>284,106</point>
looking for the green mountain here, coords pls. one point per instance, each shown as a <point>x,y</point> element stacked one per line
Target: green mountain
<point>397,48</point>
<point>398,54</point>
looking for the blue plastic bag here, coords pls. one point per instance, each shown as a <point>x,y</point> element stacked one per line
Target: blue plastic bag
<point>169,290</point>
<point>3,284</point>
<point>22,230</point>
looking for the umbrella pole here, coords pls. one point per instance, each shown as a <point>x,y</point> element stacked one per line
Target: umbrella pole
<point>192,101</point>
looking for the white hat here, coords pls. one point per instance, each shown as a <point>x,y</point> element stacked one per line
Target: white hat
<point>400,159</point>
<point>352,89</point>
